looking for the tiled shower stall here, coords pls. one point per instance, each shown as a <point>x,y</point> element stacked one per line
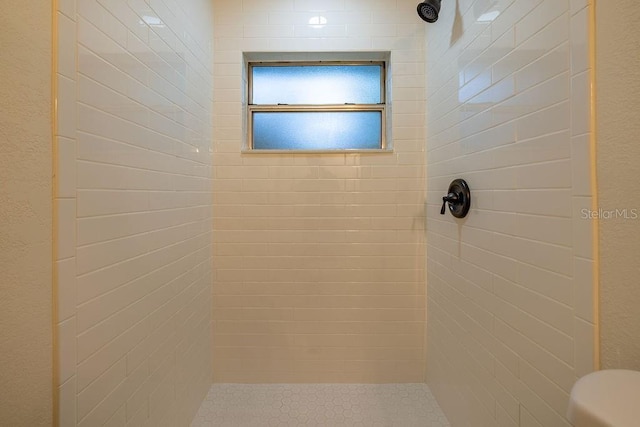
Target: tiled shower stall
<point>183,260</point>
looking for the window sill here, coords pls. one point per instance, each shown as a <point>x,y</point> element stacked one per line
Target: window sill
<point>354,151</point>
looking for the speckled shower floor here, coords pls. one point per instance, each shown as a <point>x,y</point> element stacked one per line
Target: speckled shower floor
<point>326,405</point>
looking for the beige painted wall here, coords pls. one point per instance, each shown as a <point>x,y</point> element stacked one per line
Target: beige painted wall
<point>618,163</point>
<point>25,214</point>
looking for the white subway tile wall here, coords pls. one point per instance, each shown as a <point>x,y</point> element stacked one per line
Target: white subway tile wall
<point>134,210</point>
<point>319,258</point>
<point>510,289</point>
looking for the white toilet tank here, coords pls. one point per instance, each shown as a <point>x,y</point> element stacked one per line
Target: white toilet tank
<point>609,398</point>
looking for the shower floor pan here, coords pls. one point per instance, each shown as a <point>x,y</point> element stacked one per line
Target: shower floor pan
<point>327,405</point>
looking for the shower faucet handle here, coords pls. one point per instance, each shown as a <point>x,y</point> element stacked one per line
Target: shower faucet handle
<point>451,198</point>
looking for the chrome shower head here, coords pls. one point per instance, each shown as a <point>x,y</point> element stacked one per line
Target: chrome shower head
<point>429,10</point>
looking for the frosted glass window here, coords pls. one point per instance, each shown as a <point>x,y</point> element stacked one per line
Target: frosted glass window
<point>335,130</point>
<point>316,106</point>
<point>317,84</point>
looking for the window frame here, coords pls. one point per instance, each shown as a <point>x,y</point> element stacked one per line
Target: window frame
<point>381,107</point>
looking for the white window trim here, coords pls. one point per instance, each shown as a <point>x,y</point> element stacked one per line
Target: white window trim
<point>319,58</point>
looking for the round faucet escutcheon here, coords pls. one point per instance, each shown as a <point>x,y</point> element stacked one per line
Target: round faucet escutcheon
<point>458,197</point>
